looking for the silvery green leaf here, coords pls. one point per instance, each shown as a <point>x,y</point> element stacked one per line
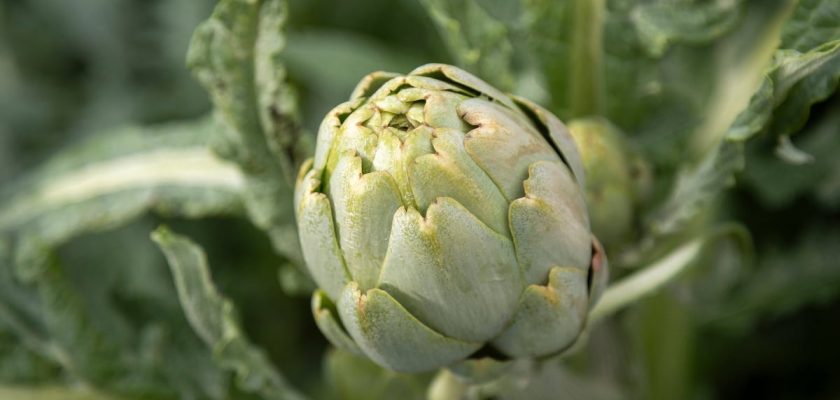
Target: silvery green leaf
<point>214,319</point>
<point>114,177</point>
<point>236,54</point>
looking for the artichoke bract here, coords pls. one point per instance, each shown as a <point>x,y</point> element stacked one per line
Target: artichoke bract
<point>443,219</point>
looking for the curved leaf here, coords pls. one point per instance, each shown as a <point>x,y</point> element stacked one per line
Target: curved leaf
<point>214,319</point>
<point>114,177</point>
<point>236,55</point>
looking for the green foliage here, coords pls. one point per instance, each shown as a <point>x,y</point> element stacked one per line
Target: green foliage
<point>64,320</point>
<point>120,333</point>
<point>779,107</point>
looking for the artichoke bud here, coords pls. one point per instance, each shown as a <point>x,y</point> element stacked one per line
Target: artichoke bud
<point>440,217</point>
<point>615,178</point>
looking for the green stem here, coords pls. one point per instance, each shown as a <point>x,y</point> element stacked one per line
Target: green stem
<point>446,386</point>
<point>648,280</point>
<point>664,333</point>
<point>741,61</point>
<point>585,70</point>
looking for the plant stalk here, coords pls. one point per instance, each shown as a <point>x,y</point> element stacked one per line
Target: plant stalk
<point>646,282</point>
<point>586,69</point>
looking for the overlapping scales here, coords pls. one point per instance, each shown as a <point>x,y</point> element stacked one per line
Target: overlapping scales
<point>440,215</point>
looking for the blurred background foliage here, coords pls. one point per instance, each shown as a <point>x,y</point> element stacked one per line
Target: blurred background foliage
<point>89,308</point>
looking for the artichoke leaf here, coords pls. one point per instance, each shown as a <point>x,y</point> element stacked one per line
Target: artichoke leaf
<point>371,83</point>
<point>548,318</point>
<point>558,135</point>
<point>327,320</point>
<point>363,206</point>
<point>329,129</point>
<point>440,111</point>
<point>394,338</point>
<point>451,271</point>
<point>450,172</point>
<point>553,202</point>
<point>315,226</point>
<point>463,78</point>
<point>499,147</point>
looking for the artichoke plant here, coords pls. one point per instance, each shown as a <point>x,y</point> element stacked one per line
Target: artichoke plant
<point>443,219</point>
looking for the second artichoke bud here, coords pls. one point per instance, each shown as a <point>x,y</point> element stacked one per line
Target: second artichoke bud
<point>616,179</point>
<point>441,216</point>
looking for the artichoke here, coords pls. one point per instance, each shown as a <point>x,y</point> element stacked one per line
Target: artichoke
<point>610,184</point>
<point>442,220</point>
